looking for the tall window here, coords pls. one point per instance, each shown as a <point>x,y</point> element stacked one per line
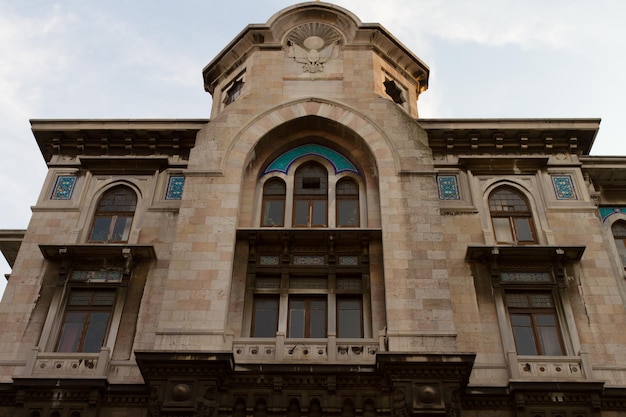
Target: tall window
<point>534,323</point>
<point>307,306</point>
<point>511,217</point>
<point>265,316</point>
<point>86,320</point>
<point>310,196</point>
<point>274,203</point>
<point>619,234</point>
<point>114,215</point>
<point>347,201</point>
<point>307,317</point>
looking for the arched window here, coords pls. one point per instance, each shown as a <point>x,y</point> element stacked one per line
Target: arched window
<point>310,196</point>
<point>273,203</point>
<point>114,215</point>
<point>347,192</point>
<point>511,217</point>
<point>619,234</point>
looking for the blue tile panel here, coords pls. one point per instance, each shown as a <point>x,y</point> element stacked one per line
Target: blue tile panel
<point>175,186</point>
<point>64,187</point>
<point>448,187</point>
<point>607,211</point>
<point>564,187</point>
<point>284,161</point>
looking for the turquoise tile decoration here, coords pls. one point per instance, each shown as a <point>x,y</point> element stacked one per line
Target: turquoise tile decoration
<point>448,187</point>
<point>175,186</point>
<point>64,187</point>
<point>284,161</point>
<point>564,187</point>
<point>607,211</point>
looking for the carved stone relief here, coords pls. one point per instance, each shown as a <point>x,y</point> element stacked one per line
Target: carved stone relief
<point>312,45</point>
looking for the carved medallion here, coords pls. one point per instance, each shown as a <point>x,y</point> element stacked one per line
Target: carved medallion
<point>312,45</point>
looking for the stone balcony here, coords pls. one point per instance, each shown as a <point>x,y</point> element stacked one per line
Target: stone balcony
<point>67,365</point>
<point>330,350</point>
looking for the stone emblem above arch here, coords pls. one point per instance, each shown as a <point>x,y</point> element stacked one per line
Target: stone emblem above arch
<point>312,45</point>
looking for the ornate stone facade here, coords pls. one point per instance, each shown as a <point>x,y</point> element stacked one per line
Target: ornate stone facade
<point>318,249</point>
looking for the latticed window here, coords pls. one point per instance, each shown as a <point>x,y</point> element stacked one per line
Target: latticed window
<point>511,217</point>
<point>534,322</point>
<point>114,215</point>
<point>619,234</point>
<point>311,196</point>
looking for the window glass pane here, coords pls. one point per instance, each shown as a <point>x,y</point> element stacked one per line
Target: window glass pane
<point>548,334</point>
<point>80,298</point>
<point>273,212</point>
<point>502,229</point>
<point>100,230</point>
<point>296,319</point>
<point>541,300</point>
<point>507,200</point>
<point>523,229</point>
<point>301,215</point>
<point>319,213</point>
<point>621,249</point>
<point>310,283</point>
<point>318,318</point>
<point>349,283</point>
<point>265,317</point>
<point>523,333</point>
<point>96,329</point>
<point>121,229</point>
<point>71,331</point>
<point>349,318</point>
<point>347,212</point>
<point>103,298</point>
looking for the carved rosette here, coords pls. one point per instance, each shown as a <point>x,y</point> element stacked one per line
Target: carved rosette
<point>312,45</point>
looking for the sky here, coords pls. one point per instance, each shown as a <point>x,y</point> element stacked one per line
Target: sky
<point>75,59</point>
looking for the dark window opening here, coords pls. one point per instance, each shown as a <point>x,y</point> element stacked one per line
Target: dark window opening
<point>534,322</point>
<point>86,320</point>
<point>114,216</point>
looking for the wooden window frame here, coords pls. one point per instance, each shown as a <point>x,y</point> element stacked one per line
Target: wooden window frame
<point>512,214</point>
<point>533,313</point>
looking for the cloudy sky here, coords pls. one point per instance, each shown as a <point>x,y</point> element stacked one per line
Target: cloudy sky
<point>143,59</point>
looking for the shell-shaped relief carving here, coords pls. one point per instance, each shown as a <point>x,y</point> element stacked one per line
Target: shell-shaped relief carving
<point>312,45</point>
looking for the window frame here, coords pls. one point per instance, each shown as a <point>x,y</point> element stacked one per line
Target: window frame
<point>511,218</point>
<point>270,198</point>
<point>330,199</point>
<point>81,339</point>
<point>114,215</point>
<point>540,347</point>
<point>293,280</point>
<point>311,198</point>
<point>353,197</point>
<point>620,240</point>
<point>310,311</point>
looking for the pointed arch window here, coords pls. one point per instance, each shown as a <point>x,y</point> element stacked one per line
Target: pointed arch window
<point>619,234</point>
<point>511,217</point>
<point>347,203</point>
<point>311,196</point>
<point>274,203</point>
<point>114,215</point>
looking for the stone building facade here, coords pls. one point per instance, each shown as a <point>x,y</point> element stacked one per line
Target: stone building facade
<point>318,249</point>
